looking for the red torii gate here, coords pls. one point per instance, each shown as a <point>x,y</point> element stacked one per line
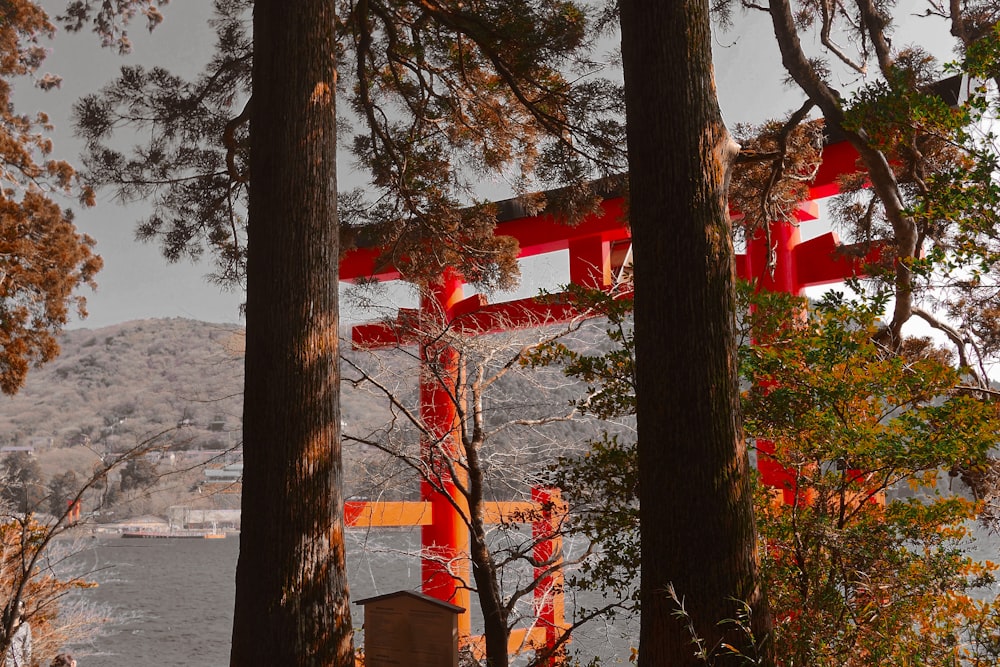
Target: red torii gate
<point>596,249</point>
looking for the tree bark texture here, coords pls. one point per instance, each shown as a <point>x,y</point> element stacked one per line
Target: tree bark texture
<point>696,513</point>
<point>292,606</point>
<point>496,631</point>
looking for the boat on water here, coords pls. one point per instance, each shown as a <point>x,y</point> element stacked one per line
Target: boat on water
<point>173,534</point>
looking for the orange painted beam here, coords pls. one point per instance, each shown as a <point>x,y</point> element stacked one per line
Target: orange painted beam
<point>518,314</point>
<point>807,211</point>
<point>376,335</point>
<point>520,640</point>
<point>536,235</point>
<point>516,511</point>
<point>370,514</point>
<point>384,513</point>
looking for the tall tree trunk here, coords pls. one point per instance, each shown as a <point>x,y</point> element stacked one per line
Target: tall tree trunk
<point>696,513</point>
<point>292,606</point>
<point>496,632</point>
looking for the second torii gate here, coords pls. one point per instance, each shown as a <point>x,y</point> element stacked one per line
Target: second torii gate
<point>596,249</point>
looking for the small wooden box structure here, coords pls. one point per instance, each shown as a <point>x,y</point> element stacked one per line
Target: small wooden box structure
<point>410,629</point>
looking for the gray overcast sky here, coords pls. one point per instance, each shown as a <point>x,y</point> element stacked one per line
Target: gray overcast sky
<point>137,283</point>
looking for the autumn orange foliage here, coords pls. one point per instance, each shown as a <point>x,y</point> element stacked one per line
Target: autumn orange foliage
<point>28,575</point>
<point>43,258</point>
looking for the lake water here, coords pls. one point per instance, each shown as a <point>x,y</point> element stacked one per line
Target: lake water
<point>183,592</point>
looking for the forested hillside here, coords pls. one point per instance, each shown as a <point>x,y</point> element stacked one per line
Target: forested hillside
<point>179,382</point>
<point>121,384</point>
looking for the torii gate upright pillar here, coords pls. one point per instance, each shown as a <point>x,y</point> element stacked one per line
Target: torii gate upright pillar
<point>785,237</point>
<point>795,265</point>
<point>445,565</point>
<point>781,276</point>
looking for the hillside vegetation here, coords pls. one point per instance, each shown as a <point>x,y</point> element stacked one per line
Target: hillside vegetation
<point>178,383</point>
<point>121,384</point>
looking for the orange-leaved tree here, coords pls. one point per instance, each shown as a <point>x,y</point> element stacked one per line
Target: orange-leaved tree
<point>871,562</point>
<point>34,573</point>
<point>43,258</point>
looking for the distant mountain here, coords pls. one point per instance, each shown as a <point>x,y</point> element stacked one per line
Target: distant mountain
<point>181,381</point>
<point>123,383</point>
